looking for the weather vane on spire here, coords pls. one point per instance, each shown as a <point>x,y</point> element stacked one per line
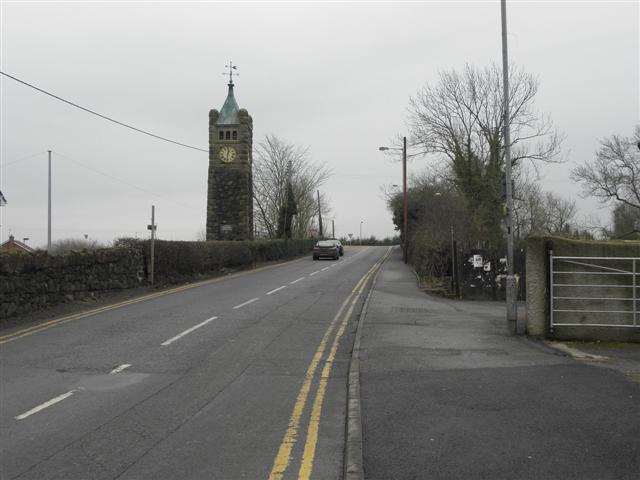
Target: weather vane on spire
<point>231,67</point>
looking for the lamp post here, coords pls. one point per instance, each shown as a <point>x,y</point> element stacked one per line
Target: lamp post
<point>404,194</point>
<point>510,293</point>
<point>361,222</point>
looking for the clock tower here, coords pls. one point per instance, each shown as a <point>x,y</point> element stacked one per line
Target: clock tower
<point>230,192</point>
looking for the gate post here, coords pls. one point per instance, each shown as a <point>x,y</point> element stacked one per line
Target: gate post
<point>634,294</point>
<point>549,289</point>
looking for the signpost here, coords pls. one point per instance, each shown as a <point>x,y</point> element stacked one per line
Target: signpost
<point>153,228</point>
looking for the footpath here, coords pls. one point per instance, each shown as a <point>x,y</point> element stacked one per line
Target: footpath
<point>447,393</point>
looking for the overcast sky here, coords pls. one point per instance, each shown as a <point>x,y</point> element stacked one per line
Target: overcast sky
<point>335,77</point>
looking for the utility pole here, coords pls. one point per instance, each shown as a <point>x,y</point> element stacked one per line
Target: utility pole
<point>512,312</point>
<point>49,216</point>
<point>453,262</point>
<point>152,227</point>
<point>319,214</point>
<point>405,220</point>
<point>286,202</point>
<point>333,228</point>
<point>404,199</point>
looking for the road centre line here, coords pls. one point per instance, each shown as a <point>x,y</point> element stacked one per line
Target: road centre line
<point>246,303</point>
<point>296,281</point>
<point>187,332</point>
<point>276,290</point>
<point>44,405</point>
<point>323,269</point>
<point>283,457</point>
<point>313,273</point>
<point>119,368</point>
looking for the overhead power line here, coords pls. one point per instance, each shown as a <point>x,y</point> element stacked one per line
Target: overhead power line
<point>18,160</point>
<point>139,130</point>
<point>129,184</point>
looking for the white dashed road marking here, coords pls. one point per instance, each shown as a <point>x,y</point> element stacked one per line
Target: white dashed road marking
<point>44,405</point>
<point>276,290</point>
<point>296,281</point>
<point>187,332</point>
<point>119,368</point>
<point>246,303</point>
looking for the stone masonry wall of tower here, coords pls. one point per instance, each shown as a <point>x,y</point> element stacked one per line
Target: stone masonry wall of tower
<point>230,189</point>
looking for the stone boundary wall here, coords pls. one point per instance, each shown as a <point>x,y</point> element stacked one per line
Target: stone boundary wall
<point>537,268</point>
<point>30,282</point>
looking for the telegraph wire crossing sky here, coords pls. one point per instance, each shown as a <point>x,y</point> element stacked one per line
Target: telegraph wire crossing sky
<point>336,78</point>
<point>108,119</point>
<point>103,116</point>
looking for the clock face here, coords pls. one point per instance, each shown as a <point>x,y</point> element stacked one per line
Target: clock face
<point>227,154</point>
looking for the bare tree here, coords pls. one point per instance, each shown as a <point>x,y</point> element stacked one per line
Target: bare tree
<point>626,222</point>
<point>615,172</point>
<point>543,213</point>
<point>461,118</point>
<point>276,163</point>
<point>529,209</point>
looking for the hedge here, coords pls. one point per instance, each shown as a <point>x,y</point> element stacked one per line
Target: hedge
<point>177,261</point>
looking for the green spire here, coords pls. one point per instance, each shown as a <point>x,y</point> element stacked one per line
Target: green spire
<point>229,111</point>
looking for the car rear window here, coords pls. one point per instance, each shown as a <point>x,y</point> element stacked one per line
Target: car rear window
<point>325,244</point>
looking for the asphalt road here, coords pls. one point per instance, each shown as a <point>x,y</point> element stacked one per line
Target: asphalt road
<point>240,378</point>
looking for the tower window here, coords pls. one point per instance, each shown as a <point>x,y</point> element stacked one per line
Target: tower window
<point>221,135</point>
<point>235,134</point>
<point>228,135</point>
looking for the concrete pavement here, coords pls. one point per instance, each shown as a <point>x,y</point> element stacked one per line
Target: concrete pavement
<point>446,393</point>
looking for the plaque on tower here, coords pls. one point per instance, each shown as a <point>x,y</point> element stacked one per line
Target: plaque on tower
<point>230,188</point>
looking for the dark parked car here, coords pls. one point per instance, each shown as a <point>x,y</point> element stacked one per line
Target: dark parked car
<point>326,248</point>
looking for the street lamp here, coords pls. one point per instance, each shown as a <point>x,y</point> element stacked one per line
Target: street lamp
<point>510,292</point>
<point>404,194</point>
<point>361,222</point>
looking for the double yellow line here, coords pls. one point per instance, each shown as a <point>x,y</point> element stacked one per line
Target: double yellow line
<point>283,457</point>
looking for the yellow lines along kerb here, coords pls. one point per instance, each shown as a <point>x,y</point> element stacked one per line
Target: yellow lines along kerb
<point>283,457</point>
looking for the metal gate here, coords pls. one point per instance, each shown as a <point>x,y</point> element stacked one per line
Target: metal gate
<point>593,291</point>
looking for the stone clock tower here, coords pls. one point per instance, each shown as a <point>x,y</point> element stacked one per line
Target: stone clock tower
<point>230,193</point>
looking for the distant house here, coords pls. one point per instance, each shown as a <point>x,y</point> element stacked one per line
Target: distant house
<point>13,245</point>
